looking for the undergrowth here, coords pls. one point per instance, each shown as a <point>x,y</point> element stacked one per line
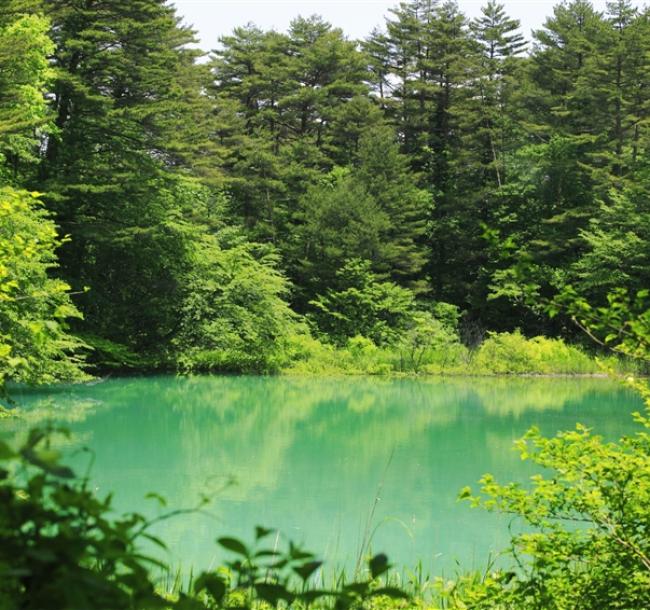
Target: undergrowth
<point>498,354</point>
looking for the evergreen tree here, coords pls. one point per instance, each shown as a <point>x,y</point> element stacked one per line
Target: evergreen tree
<point>620,75</point>
<point>127,106</point>
<point>489,135</point>
<point>490,114</point>
<point>303,99</point>
<point>371,210</point>
<point>569,194</point>
<point>385,174</point>
<point>618,248</point>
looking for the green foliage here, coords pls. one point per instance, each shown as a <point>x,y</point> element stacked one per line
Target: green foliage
<point>588,543</point>
<point>370,210</point>
<point>24,73</point>
<point>428,346</point>
<point>585,540</point>
<point>297,103</point>
<point>622,325</point>
<point>512,353</point>
<point>425,337</point>
<point>35,346</point>
<point>617,249</point>
<point>363,305</point>
<point>128,110</point>
<point>59,547</point>
<point>111,356</point>
<point>234,316</point>
<point>407,151</point>
<point>62,547</point>
<point>342,222</point>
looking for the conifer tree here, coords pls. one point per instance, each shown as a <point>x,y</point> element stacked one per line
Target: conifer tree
<point>371,210</point>
<point>619,75</point>
<point>490,114</point>
<point>304,101</point>
<point>584,100</point>
<point>127,107</point>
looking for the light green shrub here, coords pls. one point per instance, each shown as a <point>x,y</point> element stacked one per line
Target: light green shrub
<point>512,353</point>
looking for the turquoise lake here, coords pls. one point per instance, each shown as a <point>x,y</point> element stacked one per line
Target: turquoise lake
<point>342,465</point>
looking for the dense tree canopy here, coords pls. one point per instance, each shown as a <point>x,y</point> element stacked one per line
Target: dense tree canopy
<point>441,151</point>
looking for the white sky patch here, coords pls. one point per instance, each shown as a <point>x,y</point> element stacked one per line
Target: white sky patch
<point>215,18</point>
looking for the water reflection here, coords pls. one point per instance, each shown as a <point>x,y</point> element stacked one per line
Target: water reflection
<point>313,456</point>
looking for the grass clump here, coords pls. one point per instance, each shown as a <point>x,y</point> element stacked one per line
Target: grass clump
<point>433,349</point>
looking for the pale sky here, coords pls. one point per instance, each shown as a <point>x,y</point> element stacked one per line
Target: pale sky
<point>214,18</point>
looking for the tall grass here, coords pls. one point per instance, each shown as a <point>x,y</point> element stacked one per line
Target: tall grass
<point>499,354</point>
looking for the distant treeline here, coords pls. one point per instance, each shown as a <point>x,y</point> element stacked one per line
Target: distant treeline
<point>306,183</point>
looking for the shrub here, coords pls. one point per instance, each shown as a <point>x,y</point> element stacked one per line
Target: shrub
<point>363,305</point>
<point>512,353</point>
<point>587,541</point>
<point>427,340</point>
<point>235,316</point>
<point>35,345</point>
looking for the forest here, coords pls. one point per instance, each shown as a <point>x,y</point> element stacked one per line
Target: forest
<point>263,205</point>
<point>444,196</point>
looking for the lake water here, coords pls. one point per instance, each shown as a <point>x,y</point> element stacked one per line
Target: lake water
<point>334,463</point>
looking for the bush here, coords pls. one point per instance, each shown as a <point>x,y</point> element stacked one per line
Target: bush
<point>512,353</point>
<point>235,317</point>
<point>426,341</point>
<point>586,544</point>
<point>35,345</point>
<point>429,346</point>
<point>363,305</point>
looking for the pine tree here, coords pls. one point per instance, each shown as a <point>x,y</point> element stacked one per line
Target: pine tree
<point>489,134</point>
<point>304,101</point>
<point>584,97</point>
<point>551,192</point>
<point>127,106</point>
<point>384,172</point>
<point>491,115</point>
<point>371,210</point>
<point>404,78</point>
<point>427,54</point>
<point>619,76</point>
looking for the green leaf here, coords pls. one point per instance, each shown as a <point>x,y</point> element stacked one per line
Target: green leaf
<point>378,565</point>
<point>262,532</point>
<point>213,584</point>
<point>360,588</point>
<point>307,569</point>
<point>298,554</point>
<point>266,553</point>
<point>272,593</point>
<point>154,496</point>
<point>234,545</point>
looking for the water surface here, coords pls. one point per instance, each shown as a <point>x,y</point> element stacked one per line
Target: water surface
<point>333,463</point>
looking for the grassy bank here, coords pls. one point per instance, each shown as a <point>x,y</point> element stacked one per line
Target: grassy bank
<point>498,354</point>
